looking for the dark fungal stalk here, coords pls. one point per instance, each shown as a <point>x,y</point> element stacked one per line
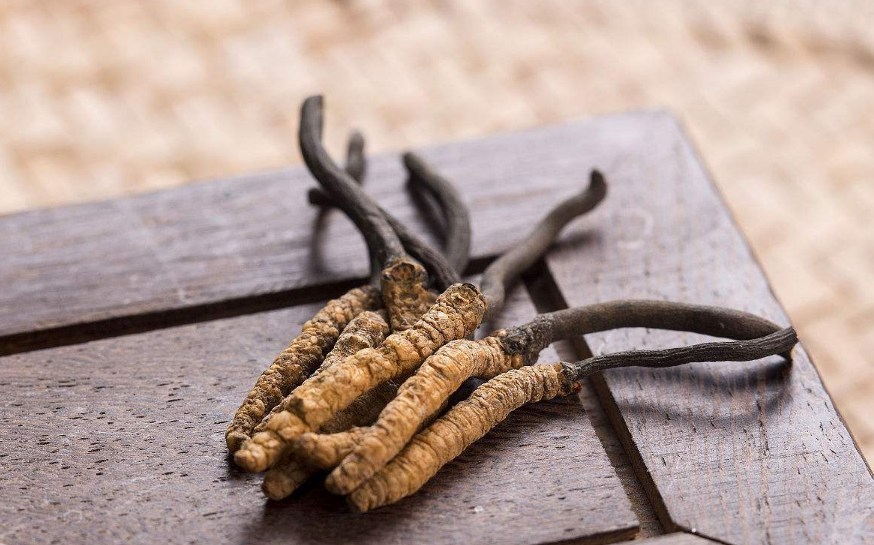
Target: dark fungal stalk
<point>444,372</point>
<point>440,269</point>
<point>498,277</point>
<point>779,342</point>
<point>403,280</point>
<point>423,177</point>
<point>528,340</point>
<point>342,187</point>
<point>356,161</point>
<point>492,402</point>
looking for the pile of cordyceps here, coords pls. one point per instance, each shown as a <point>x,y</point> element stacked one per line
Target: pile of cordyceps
<point>363,390</point>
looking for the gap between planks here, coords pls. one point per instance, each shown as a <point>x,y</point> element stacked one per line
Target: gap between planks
<point>656,525</point>
<point>626,461</point>
<point>118,326</point>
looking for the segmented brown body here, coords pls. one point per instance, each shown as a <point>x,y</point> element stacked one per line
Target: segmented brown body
<point>419,397</point>
<point>450,434</point>
<point>298,360</point>
<point>404,293</point>
<point>291,472</point>
<point>455,315</point>
<point>325,450</point>
<point>366,330</point>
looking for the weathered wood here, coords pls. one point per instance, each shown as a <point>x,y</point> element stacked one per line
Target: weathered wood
<point>194,247</point>
<point>744,453</point>
<point>123,439</point>
<point>547,297</point>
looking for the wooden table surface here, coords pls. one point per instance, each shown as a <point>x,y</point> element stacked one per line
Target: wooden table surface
<point>131,329</point>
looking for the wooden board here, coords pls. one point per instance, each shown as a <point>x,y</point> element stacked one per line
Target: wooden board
<point>743,453</point>
<point>174,256</point>
<point>123,439</point>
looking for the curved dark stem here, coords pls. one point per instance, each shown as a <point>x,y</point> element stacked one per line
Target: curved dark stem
<point>356,166</point>
<point>439,270</point>
<point>455,213</point>
<point>381,239</point>
<point>498,277</point>
<point>531,338</point>
<point>780,342</point>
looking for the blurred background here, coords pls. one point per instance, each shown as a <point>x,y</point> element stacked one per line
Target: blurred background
<point>101,99</point>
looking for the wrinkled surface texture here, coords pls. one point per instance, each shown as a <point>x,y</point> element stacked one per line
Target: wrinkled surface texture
<point>298,360</point>
<point>455,315</point>
<point>419,397</point>
<point>449,435</point>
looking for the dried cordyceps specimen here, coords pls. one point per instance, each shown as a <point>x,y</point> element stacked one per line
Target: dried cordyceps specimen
<point>455,315</point>
<point>497,276</point>
<point>298,360</point>
<point>458,233</point>
<point>492,402</point>
<point>444,372</point>
<point>451,365</point>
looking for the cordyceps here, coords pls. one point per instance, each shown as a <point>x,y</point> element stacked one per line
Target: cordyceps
<point>492,402</point>
<point>418,328</point>
<point>368,330</point>
<point>470,358</point>
<point>367,410</point>
<point>457,313</point>
<point>449,367</point>
<point>342,432</point>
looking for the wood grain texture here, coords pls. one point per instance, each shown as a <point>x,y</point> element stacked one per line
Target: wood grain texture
<point>123,440</point>
<point>744,453</point>
<point>256,236</point>
<point>547,298</point>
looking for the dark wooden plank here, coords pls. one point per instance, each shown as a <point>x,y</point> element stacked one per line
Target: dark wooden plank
<point>547,297</point>
<point>254,236</point>
<point>122,439</point>
<point>749,453</point>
